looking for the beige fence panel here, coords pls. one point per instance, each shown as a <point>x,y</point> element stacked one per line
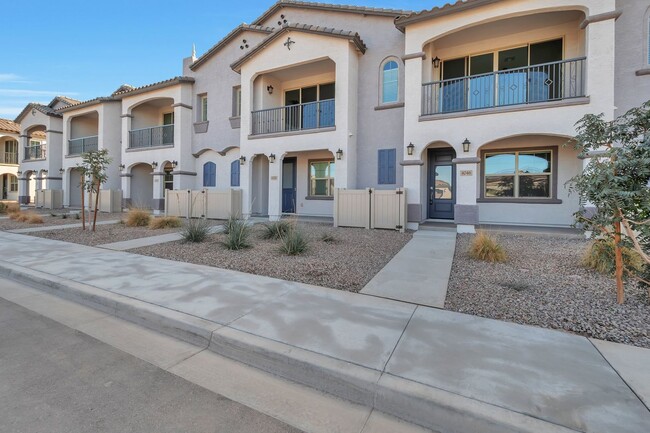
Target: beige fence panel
<point>177,203</point>
<point>39,198</point>
<point>352,208</point>
<point>197,204</point>
<point>388,209</point>
<point>222,204</point>
<point>110,200</point>
<point>49,198</point>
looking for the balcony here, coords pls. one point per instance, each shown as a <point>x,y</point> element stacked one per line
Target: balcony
<point>546,82</point>
<point>9,158</point>
<point>297,117</point>
<point>35,152</point>
<point>151,137</point>
<point>77,146</point>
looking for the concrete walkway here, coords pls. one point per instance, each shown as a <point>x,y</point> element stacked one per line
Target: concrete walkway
<point>151,240</point>
<point>59,227</point>
<point>419,273</point>
<point>443,370</point>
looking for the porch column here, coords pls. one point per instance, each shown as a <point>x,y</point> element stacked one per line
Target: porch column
<point>466,212</point>
<point>158,202</point>
<point>275,190</point>
<point>23,190</point>
<point>245,183</point>
<point>184,179</point>
<point>126,189</point>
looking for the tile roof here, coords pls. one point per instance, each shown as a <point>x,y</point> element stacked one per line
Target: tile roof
<point>88,103</point>
<point>123,88</point>
<point>45,109</point>
<point>449,8</point>
<point>305,28</point>
<point>229,37</point>
<point>7,125</point>
<point>64,99</point>
<point>329,7</point>
<point>153,86</point>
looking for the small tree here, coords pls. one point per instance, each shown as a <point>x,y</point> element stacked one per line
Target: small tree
<point>615,183</point>
<point>93,168</point>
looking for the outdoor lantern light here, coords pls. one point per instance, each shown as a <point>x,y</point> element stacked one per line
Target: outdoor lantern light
<point>122,167</point>
<point>410,148</point>
<point>174,164</point>
<point>154,164</point>
<point>61,171</point>
<point>269,89</point>
<point>272,158</point>
<point>19,172</point>
<point>339,154</point>
<point>242,160</point>
<point>436,62</point>
<point>466,144</point>
<point>45,171</point>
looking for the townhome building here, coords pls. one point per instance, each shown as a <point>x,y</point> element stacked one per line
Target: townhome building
<point>469,107</point>
<point>9,134</point>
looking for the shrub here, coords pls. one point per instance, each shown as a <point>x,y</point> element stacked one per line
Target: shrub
<point>276,230</point>
<point>33,218</point>
<point>328,237</point>
<point>138,218</point>
<point>486,248</point>
<point>294,242</point>
<point>77,216</point>
<point>600,255</point>
<point>20,217</point>
<point>64,216</point>
<point>168,222</point>
<point>196,230</point>
<point>14,216</point>
<point>238,234</point>
<point>9,208</point>
<point>231,221</point>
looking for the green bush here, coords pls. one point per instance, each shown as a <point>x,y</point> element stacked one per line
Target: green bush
<point>600,255</point>
<point>276,230</point>
<point>238,234</point>
<point>294,242</point>
<point>196,230</point>
<point>486,248</point>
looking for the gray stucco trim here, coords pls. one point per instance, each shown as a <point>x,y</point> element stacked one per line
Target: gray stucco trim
<point>601,17</point>
<point>235,122</point>
<point>201,127</point>
<point>183,173</point>
<point>466,160</point>
<point>180,104</point>
<point>554,175</point>
<point>312,197</point>
<point>53,131</point>
<point>641,72</point>
<point>158,173</point>
<point>408,162</point>
<point>143,149</point>
<point>389,106</point>
<point>52,178</point>
<point>414,213</point>
<point>126,175</point>
<point>158,204</point>
<point>34,160</point>
<point>466,214</point>
<point>285,134</point>
<point>508,109</point>
<point>420,55</point>
<point>127,115</point>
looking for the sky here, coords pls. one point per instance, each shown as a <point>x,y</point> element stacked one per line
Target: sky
<point>88,48</point>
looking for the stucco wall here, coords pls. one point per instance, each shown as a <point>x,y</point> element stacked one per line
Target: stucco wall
<point>84,126</point>
<point>632,54</point>
<point>223,167</point>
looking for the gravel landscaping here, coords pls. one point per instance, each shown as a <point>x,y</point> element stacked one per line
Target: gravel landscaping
<point>348,263</point>
<point>57,220</point>
<point>544,284</point>
<point>104,234</point>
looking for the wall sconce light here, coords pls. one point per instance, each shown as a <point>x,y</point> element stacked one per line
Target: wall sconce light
<point>45,171</point>
<point>410,148</point>
<point>272,158</point>
<point>174,164</point>
<point>61,171</point>
<point>339,154</point>
<point>466,144</point>
<point>122,167</point>
<point>19,172</point>
<point>269,89</point>
<point>436,62</point>
<point>242,160</point>
<point>154,165</point>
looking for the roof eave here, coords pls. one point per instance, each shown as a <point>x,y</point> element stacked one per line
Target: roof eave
<point>156,86</point>
<point>460,6</point>
<point>86,104</point>
<point>225,41</point>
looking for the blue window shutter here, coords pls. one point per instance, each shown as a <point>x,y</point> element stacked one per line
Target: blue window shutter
<point>386,166</point>
<point>209,174</point>
<point>392,156</point>
<point>234,173</point>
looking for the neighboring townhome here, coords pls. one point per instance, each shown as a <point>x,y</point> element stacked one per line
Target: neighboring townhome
<point>41,147</point>
<point>9,133</point>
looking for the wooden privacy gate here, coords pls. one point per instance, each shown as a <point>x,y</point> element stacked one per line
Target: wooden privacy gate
<point>204,203</point>
<point>370,208</point>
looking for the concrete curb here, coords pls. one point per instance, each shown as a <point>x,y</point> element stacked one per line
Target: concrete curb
<point>430,407</point>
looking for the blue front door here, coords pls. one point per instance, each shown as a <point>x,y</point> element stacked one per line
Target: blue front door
<point>289,185</point>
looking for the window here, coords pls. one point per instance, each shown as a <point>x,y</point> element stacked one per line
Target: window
<point>236,101</point>
<point>321,178</point>
<point>317,109</point>
<point>168,179</point>
<point>203,99</point>
<point>389,82</point>
<point>11,152</point>
<point>386,166</point>
<point>13,183</point>
<point>209,174</point>
<point>518,174</point>
<point>168,118</point>
<point>234,173</point>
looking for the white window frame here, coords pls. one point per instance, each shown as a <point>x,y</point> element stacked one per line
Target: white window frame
<point>331,180</point>
<point>236,101</point>
<point>381,80</point>
<point>516,175</point>
<point>203,110</point>
<point>13,183</point>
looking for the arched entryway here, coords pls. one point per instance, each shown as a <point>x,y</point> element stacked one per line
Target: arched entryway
<point>260,186</point>
<point>141,186</point>
<point>440,181</point>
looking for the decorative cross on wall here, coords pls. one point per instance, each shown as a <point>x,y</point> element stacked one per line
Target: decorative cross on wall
<point>288,43</point>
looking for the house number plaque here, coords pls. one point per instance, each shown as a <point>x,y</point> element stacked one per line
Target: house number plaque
<point>466,172</point>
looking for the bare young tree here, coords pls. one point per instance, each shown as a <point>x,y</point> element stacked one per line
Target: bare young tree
<point>93,168</point>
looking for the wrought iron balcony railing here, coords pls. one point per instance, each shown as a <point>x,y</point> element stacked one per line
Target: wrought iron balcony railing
<point>77,146</point>
<point>35,152</point>
<point>298,117</point>
<point>151,137</point>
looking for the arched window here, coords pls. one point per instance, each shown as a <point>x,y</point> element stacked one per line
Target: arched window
<point>389,81</point>
<point>209,174</point>
<point>234,173</point>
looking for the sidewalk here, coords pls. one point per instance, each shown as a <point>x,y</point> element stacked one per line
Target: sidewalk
<point>444,370</point>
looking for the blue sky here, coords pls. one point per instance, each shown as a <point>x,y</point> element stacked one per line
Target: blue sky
<point>84,49</point>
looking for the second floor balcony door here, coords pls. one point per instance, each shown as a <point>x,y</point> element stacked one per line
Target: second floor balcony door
<point>309,107</point>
